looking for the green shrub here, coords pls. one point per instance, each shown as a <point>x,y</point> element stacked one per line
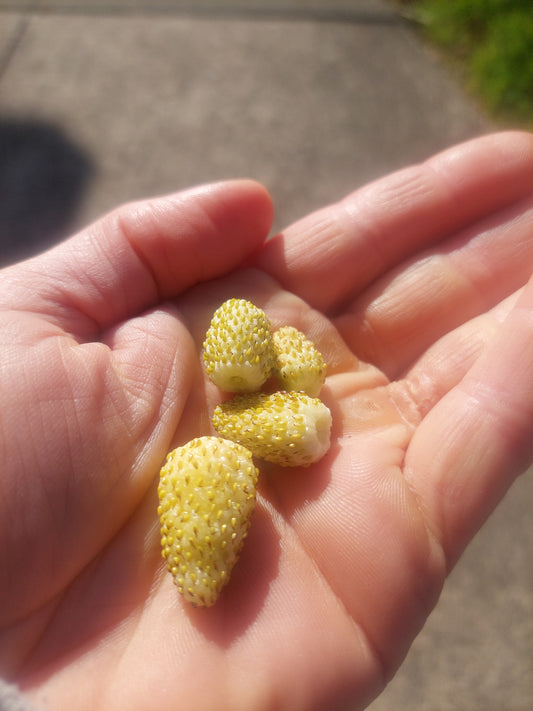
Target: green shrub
<point>493,42</point>
<point>501,68</point>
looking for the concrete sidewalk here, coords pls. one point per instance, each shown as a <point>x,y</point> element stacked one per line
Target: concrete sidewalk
<point>150,102</point>
<point>103,102</point>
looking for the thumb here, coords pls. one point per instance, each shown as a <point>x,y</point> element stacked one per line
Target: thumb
<point>140,254</point>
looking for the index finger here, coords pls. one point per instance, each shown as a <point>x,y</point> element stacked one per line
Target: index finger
<point>334,253</point>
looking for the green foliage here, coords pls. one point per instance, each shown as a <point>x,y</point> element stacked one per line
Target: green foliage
<point>493,41</point>
<point>502,67</point>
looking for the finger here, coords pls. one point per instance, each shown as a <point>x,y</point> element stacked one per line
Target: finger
<point>401,315</point>
<point>140,254</point>
<point>470,447</point>
<point>346,246</point>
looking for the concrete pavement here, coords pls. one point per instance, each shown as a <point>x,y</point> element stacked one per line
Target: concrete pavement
<point>167,99</point>
<point>103,102</point>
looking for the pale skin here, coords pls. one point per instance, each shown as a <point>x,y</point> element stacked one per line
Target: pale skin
<point>416,289</point>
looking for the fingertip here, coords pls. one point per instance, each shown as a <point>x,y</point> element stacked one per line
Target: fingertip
<point>514,141</point>
<point>250,206</point>
<point>489,171</point>
<point>200,233</point>
<point>515,144</point>
<point>241,207</point>
<point>148,251</point>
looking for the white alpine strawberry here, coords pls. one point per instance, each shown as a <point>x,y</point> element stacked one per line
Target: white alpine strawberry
<point>299,365</point>
<point>287,428</point>
<point>238,351</point>
<point>206,498</point>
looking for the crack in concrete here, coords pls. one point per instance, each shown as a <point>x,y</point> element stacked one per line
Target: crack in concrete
<point>212,10</point>
<point>13,44</point>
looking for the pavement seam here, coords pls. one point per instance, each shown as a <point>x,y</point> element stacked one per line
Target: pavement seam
<point>13,44</point>
<point>237,11</point>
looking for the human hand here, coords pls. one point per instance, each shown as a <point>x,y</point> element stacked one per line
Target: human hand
<point>416,291</point>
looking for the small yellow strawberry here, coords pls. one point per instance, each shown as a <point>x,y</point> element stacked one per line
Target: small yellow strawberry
<point>238,351</point>
<point>206,498</point>
<point>287,428</point>
<point>299,365</point>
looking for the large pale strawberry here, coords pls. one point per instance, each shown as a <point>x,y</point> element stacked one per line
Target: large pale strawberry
<point>238,351</point>
<point>299,365</point>
<point>206,498</point>
<point>288,428</point>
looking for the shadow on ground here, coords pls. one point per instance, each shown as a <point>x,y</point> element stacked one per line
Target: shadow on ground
<point>43,177</point>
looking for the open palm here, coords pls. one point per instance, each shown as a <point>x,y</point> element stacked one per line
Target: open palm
<point>415,289</point>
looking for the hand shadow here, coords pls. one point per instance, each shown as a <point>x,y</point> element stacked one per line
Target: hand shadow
<point>43,176</point>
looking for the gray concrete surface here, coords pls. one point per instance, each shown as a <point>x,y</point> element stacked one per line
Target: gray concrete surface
<point>162,101</point>
<point>104,102</point>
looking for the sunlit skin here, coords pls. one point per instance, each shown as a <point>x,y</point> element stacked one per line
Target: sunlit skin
<point>415,289</point>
